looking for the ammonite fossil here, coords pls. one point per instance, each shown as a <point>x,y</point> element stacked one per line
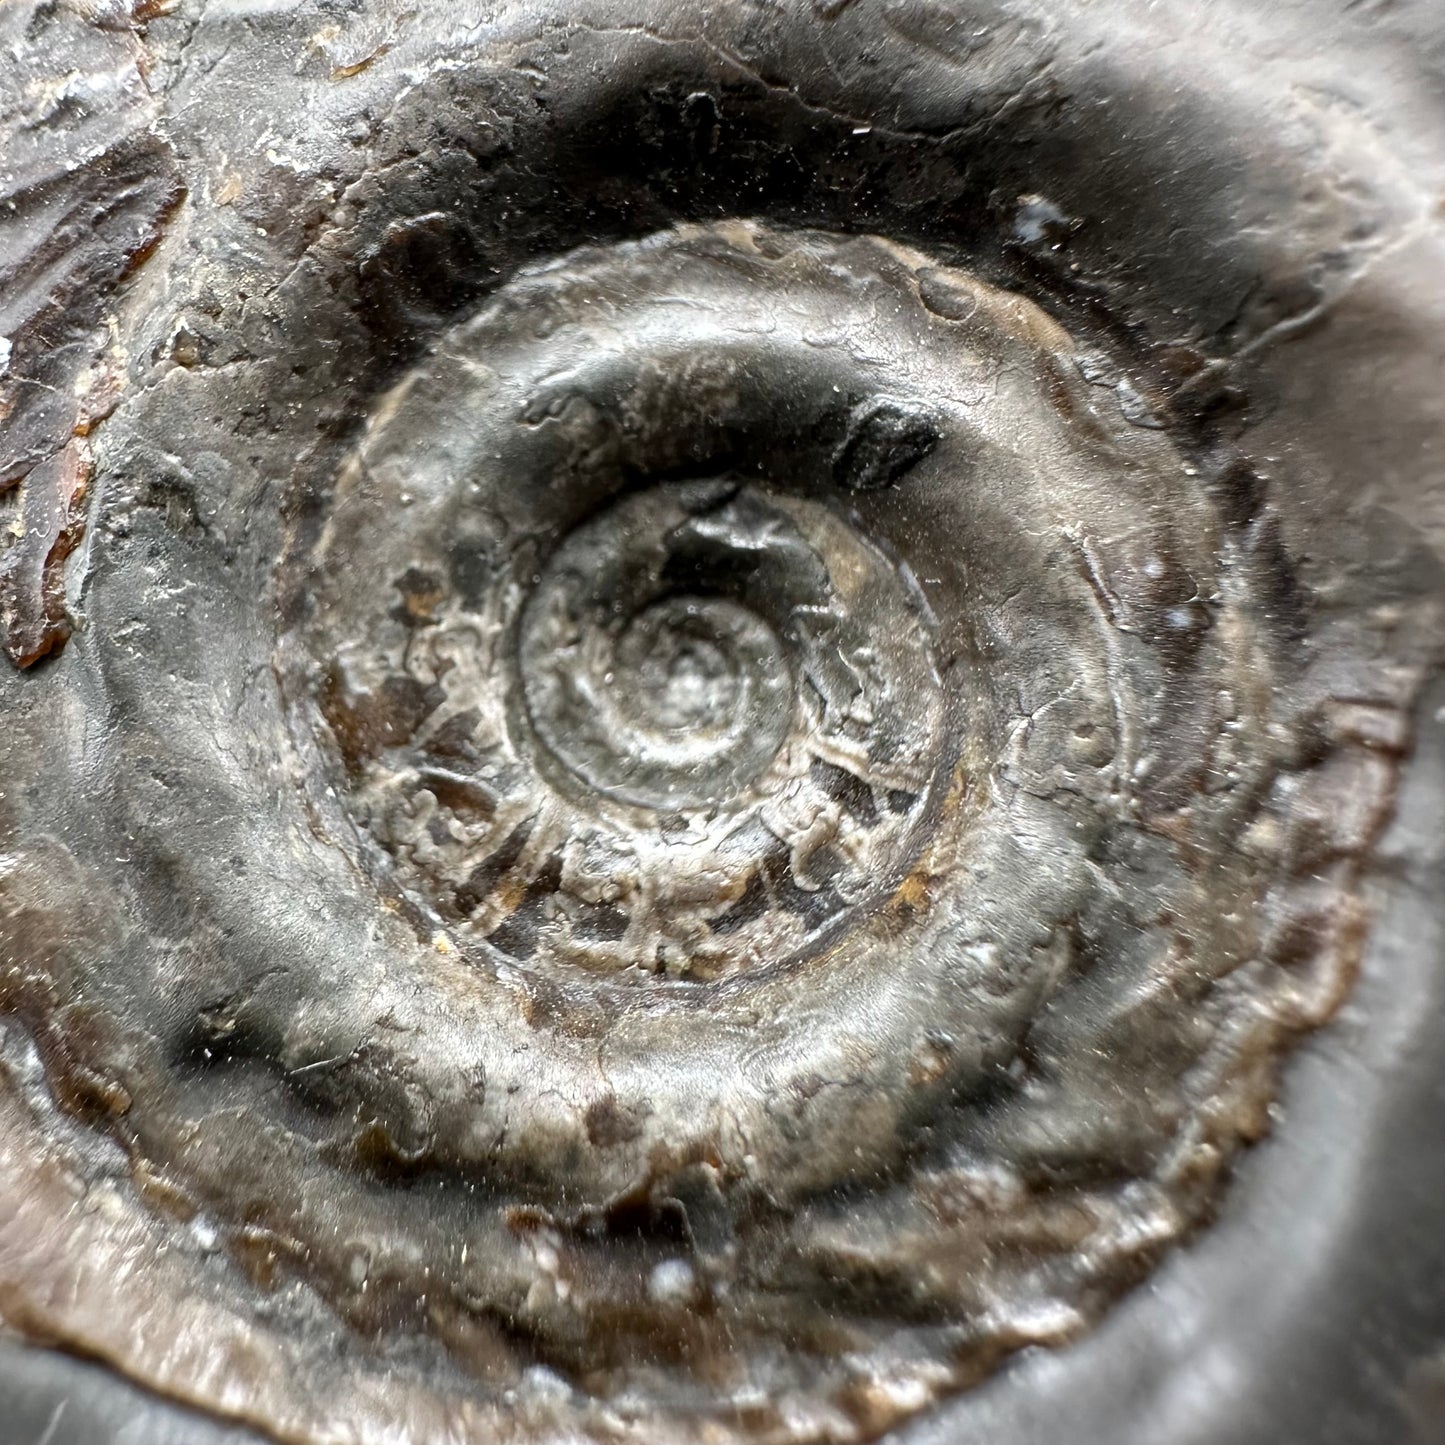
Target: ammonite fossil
<point>689,725</point>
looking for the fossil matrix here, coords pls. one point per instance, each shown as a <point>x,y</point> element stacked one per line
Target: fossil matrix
<point>674,776</point>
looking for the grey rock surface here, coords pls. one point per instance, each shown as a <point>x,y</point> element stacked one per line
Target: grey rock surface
<point>697,698</point>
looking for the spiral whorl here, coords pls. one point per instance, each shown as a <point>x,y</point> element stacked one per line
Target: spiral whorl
<point>713,809</point>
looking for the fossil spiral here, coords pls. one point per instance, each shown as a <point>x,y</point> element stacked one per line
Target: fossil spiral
<point>733,836</point>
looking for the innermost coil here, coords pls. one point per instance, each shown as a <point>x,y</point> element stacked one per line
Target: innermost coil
<point>679,705</point>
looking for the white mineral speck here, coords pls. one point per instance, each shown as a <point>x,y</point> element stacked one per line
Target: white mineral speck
<point>672,1282</point>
